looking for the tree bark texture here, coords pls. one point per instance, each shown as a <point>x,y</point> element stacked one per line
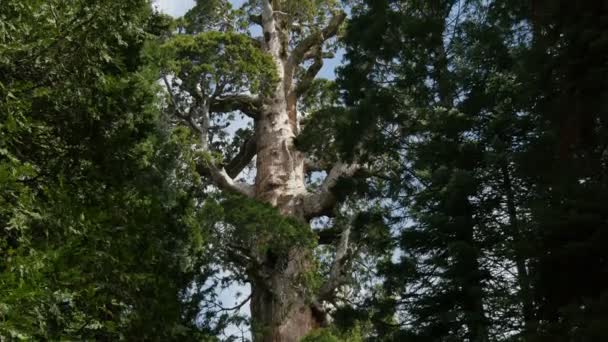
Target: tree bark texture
<point>281,312</point>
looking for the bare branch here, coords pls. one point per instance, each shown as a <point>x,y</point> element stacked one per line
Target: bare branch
<point>310,74</point>
<point>247,104</point>
<point>237,307</point>
<point>223,181</point>
<point>316,39</point>
<point>323,201</point>
<point>339,267</point>
<point>242,159</point>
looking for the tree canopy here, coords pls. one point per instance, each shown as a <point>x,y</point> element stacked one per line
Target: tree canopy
<point>449,185</point>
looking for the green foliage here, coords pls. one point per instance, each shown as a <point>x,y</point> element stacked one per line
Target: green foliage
<point>332,335</point>
<point>211,64</point>
<point>481,117</point>
<point>98,236</point>
<point>208,15</point>
<point>258,226</point>
<point>482,123</point>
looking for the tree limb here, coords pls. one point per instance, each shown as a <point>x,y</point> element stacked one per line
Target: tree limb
<point>173,98</point>
<point>247,104</point>
<point>313,54</point>
<point>222,180</point>
<point>237,306</point>
<point>242,159</point>
<point>323,201</point>
<point>310,73</point>
<point>201,111</point>
<point>316,39</point>
<point>219,175</point>
<point>339,266</point>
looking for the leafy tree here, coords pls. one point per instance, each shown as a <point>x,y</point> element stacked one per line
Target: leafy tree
<point>101,238</point>
<point>215,70</point>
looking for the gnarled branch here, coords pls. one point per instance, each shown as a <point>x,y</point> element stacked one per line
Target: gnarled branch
<point>339,267</point>
<point>323,201</point>
<point>242,159</point>
<point>200,111</point>
<point>310,73</point>
<point>179,113</point>
<point>218,175</point>
<point>249,105</point>
<point>222,180</point>
<point>316,39</point>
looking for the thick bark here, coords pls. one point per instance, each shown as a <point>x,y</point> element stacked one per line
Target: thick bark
<point>280,311</point>
<point>280,167</point>
<point>279,308</point>
<point>273,321</point>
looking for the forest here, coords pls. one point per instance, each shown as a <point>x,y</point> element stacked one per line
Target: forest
<point>204,177</point>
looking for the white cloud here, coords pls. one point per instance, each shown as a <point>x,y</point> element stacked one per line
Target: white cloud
<point>178,8</point>
<point>175,8</point>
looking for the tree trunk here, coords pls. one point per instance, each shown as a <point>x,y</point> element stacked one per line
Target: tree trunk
<point>280,167</point>
<point>274,321</point>
<point>279,307</point>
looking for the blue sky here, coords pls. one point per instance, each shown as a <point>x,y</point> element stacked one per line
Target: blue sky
<point>177,8</point>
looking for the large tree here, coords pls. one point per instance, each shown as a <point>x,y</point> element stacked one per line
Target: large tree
<point>213,67</point>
